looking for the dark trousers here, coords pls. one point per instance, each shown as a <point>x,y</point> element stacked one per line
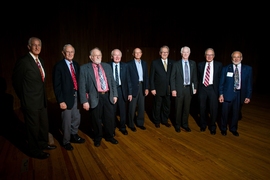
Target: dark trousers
<point>161,109</point>
<point>102,118</point>
<point>121,107</point>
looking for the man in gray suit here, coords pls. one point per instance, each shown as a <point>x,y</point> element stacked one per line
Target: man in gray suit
<point>98,94</point>
<point>183,86</point>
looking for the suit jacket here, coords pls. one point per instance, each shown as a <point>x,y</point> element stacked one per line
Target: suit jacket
<point>159,78</point>
<point>134,76</point>
<point>125,80</point>
<point>226,86</point>
<point>216,75</point>
<point>88,84</point>
<point>177,76</point>
<point>28,84</point>
<point>63,83</point>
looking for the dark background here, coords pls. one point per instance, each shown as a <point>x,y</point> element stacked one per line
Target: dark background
<point>109,25</point>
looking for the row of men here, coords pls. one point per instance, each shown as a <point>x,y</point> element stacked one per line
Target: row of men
<point>104,89</point>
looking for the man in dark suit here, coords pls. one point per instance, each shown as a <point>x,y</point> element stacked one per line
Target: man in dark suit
<point>98,94</point>
<point>28,80</point>
<point>160,73</point>
<point>65,90</point>
<point>208,90</point>
<point>183,86</point>
<point>122,78</point>
<point>235,88</point>
<point>139,80</point>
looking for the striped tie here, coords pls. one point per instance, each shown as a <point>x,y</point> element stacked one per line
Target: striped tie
<point>207,75</point>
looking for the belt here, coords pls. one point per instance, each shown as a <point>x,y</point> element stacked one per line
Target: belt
<point>140,82</point>
<point>186,86</point>
<point>237,90</point>
<point>103,92</point>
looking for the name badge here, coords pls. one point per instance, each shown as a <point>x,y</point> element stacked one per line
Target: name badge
<point>229,74</point>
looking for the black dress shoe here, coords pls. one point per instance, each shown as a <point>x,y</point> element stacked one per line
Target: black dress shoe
<point>187,129</point>
<point>142,127</point>
<point>124,132</point>
<point>75,138</point>
<point>213,132</point>
<point>166,124</point>
<point>224,133</point>
<point>50,147</point>
<point>133,129</point>
<point>157,125</point>
<point>112,140</point>
<point>235,133</point>
<point>177,130</point>
<point>202,129</point>
<point>97,143</point>
<point>68,146</point>
<point>42,155</point>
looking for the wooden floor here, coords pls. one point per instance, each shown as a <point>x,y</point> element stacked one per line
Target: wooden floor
<point>156,154</point>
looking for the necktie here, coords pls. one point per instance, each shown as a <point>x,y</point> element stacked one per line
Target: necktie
<point>186,74</point>
<point>40,70</point>
<point>236,77</point>
<point>116,75</point>
<point>73,77</point>
<point>207,75</point>
<point>101,78</point>
<point>165,65</point>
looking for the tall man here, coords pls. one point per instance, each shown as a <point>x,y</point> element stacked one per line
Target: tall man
<point>209,72</point>
<point>28,80</point>
<point>98,94</point>
<point>160,73</point>
<point>122,78</point>
<point>235,87</point>
<point>65,77</point>
<point>139,79</point>
<point>183,86</point>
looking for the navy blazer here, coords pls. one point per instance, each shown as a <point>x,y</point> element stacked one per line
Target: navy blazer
<point>159,78</point>
<point>125,79</point>
<point>28,84</point>
<point>134,76</point>
<point>63,83</point>
<point>216,75</point>
<point>226,86</point>
<point>177,77</point>
<point>88,84</point>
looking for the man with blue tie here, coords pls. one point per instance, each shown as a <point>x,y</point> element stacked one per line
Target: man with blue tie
<point>122,78</point>
<point>235,88</point>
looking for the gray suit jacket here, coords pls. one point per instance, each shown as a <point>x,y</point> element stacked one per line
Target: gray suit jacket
<point>88,84</point>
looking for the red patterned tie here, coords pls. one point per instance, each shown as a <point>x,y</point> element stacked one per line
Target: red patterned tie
<point>73,77</point>
<point>207,75</point>
<point>40,70</point>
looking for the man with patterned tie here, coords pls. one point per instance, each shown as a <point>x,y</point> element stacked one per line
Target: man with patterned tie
<point>232,95</point>
<point>99,102</point>
<point>30,89</point>
<point>65,78</point>
<point>183,86</point>
<point>209,72</point>
<point>124,89</point>
<point>160,73</point>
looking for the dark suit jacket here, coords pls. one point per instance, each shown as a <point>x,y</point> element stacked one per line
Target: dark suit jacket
<point>134,76</point>
<point>226,86</point>
<point>177,76</point>
<point>159,78</point>
<point>27,83</point>
<point>63,84</point>
<point>216,75</point>
<point>88,84</point>
<point>125,80</point>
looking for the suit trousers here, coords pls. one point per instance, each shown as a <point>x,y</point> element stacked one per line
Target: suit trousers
<point>102,118</point>
<point>121,107</point>
<point>161,109</point>
<point>71,119</point>
<point>137,102</point>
